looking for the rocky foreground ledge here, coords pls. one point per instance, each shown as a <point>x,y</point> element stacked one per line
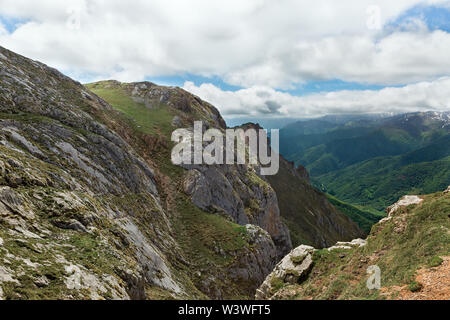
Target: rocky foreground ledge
<point>295,267</point>
<point>292,273</point>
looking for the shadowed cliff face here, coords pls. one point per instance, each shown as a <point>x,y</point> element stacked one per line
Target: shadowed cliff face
<point>311,218</point>
<point>240,193</point>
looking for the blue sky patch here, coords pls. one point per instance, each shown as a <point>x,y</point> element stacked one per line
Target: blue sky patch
<point>330,86</point>
<point>10,23</point>
<point>179,80</point>
<point>435,17</point>
<point>299,90</point>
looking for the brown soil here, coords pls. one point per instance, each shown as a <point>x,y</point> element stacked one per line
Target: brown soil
<point>435,282</point>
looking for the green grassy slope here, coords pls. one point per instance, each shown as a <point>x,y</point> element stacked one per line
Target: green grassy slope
<point>146,120</point>
<point>416,237</point>
<point>380,182</point>
<point>363,217</point>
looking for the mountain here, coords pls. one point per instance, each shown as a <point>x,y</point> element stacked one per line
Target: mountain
<point>408,250</point>
<point>371,162</point>
<point>91,206</point>
<point>236,192</point>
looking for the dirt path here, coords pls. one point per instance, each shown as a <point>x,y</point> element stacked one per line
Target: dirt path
<point>435,281</point>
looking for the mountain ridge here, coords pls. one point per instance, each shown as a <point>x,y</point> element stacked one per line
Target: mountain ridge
<point>91,206</point>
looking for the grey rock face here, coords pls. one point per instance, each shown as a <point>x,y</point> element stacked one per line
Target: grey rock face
<point>156,270</point>
<point>212,191</point>
<point>64,176</point>
<point>250,266</point>
<point>258,262</point>
<point>176,122</point>
<point>240,193</point>
<point>403,202</point>
<point>71,224</point>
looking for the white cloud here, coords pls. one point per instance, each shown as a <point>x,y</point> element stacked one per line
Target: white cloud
<point>256,101</point>
<point>248,43</point>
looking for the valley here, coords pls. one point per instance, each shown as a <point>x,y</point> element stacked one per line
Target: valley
<point>371,162</point>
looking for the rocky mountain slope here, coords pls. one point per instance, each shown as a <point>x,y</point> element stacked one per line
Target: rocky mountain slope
<point>410,248</point>
<point>92,207</point>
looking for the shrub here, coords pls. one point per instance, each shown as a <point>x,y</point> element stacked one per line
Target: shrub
<point>436,261</point>
<point>415,286</point>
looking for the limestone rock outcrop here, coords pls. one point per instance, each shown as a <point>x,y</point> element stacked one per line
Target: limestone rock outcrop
<point>291,269</point>
<point>403,202</point>
<point>240,193</point>
<point>348,245</point>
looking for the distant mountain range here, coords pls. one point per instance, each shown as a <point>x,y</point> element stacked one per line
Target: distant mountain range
<point>281,122</point>
<point>372,160</point>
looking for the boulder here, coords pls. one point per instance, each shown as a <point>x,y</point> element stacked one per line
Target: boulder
<point>348,245</point>
<point>403,202</point>
<point>72,224</point>
<point>291,269</point>
<point>176,122</point>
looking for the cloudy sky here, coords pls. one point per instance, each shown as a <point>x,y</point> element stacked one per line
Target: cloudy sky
<point>252,58</point>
